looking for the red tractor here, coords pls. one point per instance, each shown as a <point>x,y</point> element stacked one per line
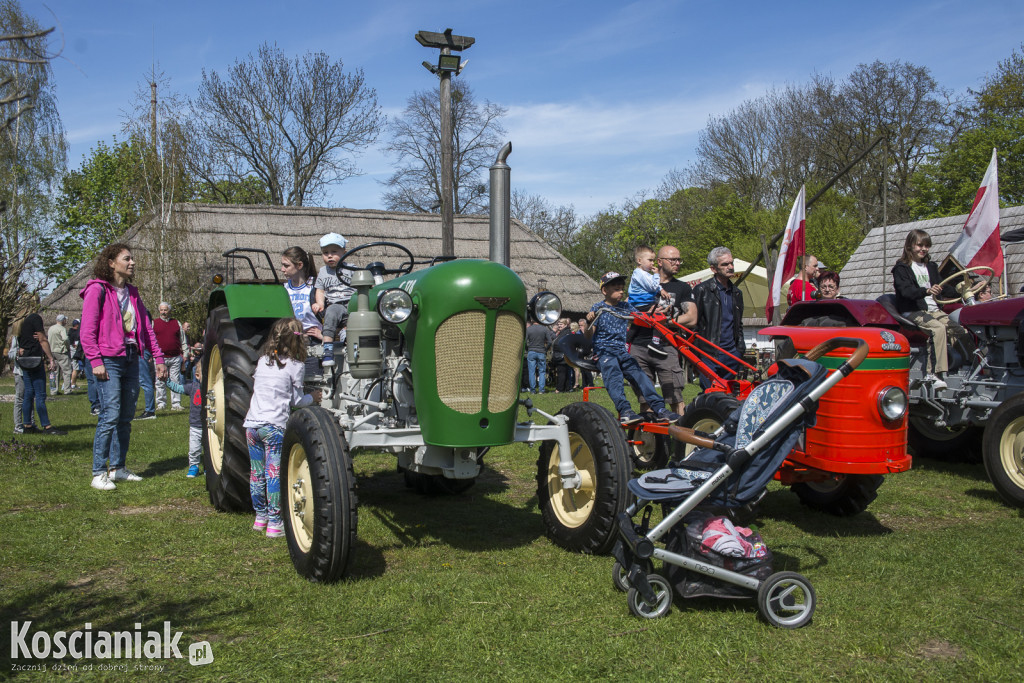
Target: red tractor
<point>860,433</point>
<point>983,406</point>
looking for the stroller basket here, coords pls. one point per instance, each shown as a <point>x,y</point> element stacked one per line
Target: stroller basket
<point>728,470</point>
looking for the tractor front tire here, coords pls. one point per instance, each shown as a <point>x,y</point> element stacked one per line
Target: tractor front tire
<point>844,497</point>
<point>228,366</point>
<point>584,520</point>
<point>318,496</point>
<point>1003,450</point>
<point>948,444</point>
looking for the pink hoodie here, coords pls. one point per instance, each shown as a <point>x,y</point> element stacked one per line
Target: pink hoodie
<point>102,332</point>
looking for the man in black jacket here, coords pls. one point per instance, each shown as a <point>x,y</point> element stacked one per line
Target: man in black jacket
<point>720,312</point>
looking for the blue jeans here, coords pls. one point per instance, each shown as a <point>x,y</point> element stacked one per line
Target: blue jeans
<point>147,378</point>
<point>613,367</point>
<point>118,395</point>
<point>90,381</point>
<point>35,392</point>
<point>536,360</point>
<point>719,370</point>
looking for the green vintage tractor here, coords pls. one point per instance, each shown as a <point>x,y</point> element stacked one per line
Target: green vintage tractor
<point>432,374</point>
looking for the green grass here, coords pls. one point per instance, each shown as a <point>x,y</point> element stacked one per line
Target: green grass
<point>926,585</point>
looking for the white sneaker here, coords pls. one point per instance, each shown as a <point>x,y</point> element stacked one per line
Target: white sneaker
<point>124,474</point>
<point>101,482</point>
<point>936,383</point>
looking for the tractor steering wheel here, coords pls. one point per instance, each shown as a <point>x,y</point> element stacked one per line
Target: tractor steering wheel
<point>977,287</point>
<point>378,268</point>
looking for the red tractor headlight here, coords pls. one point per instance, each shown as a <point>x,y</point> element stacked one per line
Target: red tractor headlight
<point>892,404</point>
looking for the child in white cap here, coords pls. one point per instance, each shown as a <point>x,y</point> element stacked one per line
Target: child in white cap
<point>333,289</point>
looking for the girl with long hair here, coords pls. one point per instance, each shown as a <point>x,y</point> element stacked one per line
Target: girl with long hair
<point>277,387</point>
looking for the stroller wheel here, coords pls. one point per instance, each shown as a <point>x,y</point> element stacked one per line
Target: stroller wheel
<point>620,577</point>
<point>786,600</point>
<point>662,598</point>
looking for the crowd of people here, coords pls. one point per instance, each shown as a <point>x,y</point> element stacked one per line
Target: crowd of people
<point>121,350</point>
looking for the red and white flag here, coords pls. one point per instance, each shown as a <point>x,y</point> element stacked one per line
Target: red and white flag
<point>789,253</point>
<point>978,244</point>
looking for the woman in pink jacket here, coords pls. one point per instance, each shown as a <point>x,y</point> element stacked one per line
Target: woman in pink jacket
<point>115,327</point>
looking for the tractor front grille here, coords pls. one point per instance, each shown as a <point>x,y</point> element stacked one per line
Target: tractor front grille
<point>506,362</point>
<point>460,356</point>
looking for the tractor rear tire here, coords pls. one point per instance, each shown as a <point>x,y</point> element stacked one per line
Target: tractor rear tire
<point>228,366</point>
<point>1003,450</point>
<point>318,496</point>
<point>584,520</point>
<point>706,413</point>
<point>843,497</point>
<point>651,453</point>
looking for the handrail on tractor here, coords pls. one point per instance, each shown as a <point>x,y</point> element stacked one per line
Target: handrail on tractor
<point>238,253</point>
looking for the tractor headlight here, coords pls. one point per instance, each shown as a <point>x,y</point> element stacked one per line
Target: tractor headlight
<point>892,404</point>
<point>545,308</point>
<point>394,305</point>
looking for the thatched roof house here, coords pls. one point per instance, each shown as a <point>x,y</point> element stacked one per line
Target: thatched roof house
<point>211,229</point>
<point>867,275</point>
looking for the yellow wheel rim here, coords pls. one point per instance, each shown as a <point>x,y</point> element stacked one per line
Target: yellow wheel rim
<point>216,409</point>
<point>573,507</point>
<point>300,497</point>
<point>1011,446</point>
<point>645,450</point>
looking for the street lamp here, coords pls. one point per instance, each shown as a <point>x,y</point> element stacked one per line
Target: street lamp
<point>447,65</point>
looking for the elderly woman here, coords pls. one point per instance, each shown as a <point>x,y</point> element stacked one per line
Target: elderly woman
<point>828,285</point>
<point>116,328</point>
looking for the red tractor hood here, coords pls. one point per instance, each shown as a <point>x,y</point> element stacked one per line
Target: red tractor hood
<point>1005,312</point>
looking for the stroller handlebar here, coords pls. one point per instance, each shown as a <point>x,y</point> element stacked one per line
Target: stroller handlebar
<point>689,436</point>
<point>859,354</point>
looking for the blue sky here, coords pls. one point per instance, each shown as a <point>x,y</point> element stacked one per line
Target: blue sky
<point>604,98</point>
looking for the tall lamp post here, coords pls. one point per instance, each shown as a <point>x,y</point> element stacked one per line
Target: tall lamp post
<point>447,64</point>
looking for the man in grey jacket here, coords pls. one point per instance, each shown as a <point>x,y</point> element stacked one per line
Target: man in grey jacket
<point>538,340</point>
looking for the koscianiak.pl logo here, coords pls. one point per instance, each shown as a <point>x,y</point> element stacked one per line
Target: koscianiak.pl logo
<point>84,644</point>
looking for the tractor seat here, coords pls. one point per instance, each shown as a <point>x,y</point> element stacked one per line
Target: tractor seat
<point>914,333</point>
<point>578,351</point>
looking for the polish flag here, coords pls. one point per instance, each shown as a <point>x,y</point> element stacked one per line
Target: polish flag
<point>978,244</point>
<point>789,253</point>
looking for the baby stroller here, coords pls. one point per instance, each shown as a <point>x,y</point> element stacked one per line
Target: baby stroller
<point>729,471</point>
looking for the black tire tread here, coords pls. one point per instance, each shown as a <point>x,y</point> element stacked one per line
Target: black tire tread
<point>604,435</point>
<point>336,508</point>
<point>229,491</point>
<point>852,497</point>
<point>1001,417</point>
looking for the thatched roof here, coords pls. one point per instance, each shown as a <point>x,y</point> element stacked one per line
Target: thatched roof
<point>212,229</point>
<point>867,275</point>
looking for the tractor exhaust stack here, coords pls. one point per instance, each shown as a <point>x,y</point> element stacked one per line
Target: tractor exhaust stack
<point>501,204</point>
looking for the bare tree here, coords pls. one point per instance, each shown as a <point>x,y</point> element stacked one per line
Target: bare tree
<point>296,124</point>
<point>556,224</point>
<point>416,144</point>
<point>33,153</point>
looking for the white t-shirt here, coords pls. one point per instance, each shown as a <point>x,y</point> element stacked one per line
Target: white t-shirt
<point>301,305</point>
<point>923,280</point>
<point>275,390</point>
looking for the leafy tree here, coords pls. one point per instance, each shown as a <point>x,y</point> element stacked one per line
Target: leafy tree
<point>594,248</point>
<point>948,184</point>
<point>33,153</point>
<point>416,145</point>
<point>95,206</point>
<point>295,124</point>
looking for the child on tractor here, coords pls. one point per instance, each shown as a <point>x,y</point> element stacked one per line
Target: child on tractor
<point>609,338</point>
<point>333,291</point>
